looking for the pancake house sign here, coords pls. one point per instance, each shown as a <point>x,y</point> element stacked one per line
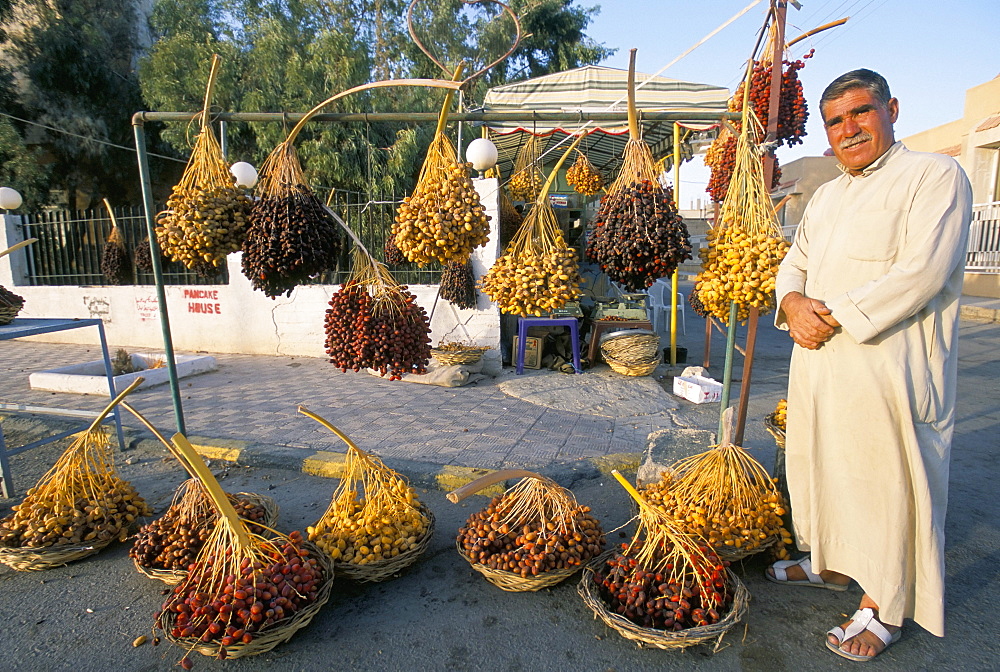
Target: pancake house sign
<point>203,301</point>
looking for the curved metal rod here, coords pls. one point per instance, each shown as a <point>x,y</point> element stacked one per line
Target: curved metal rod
<point>449,73</point>
<point>429,83</point>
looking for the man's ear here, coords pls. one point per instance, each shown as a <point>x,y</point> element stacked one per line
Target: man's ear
<point>893,106</point>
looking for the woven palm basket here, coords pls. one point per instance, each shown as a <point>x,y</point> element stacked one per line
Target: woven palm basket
<point>172,577</point>
<point>452,357</point>
<point>733,554</point>
<point>389,568</point>
<point>8,313</point>
<point>513,582</point>
<point>267,639</point>
<point>632,368</point>
<point>25,559</point>
<point>631,352</point>
<point>652,637</point>
<point>631,345</point>
<point>10,303</point>
<point>777,432</point>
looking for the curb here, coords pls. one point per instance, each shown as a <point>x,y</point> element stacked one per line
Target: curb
<point>979,314</point>
<point>329,464</point>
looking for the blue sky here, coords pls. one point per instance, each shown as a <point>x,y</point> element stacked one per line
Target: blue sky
<point>930,53</point>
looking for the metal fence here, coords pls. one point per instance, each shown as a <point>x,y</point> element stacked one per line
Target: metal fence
<point>983,253</point>
<point>69,247</point>
<point>370,218</point>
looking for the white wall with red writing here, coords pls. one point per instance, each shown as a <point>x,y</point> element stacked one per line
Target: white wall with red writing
<point>234,318</point>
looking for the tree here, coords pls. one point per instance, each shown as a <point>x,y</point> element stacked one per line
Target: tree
<point>288,55</point>
<point>73,61</point>
<point>20,167</point>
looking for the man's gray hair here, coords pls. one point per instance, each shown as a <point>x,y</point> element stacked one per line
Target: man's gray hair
<point>857,79</point>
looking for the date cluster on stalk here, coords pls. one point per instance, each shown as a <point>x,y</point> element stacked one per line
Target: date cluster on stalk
<point>792,116</point>
<point>638,236</point>
<point>652,600</point>
<point>290,239</point>
<point>529,547</point>
<point>392,337</point>
<point>170,544</point>
<point>458,284</point>
<point>260,594</point>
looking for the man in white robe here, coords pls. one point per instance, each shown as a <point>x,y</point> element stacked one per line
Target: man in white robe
<point>870,293</point>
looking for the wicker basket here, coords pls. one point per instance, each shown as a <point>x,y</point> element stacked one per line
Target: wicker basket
<point>385,569</point>
<point>633,368</point>
<point>515,583</point>
<point>651,637</point>
<point>264,641</point>
<point>452,357</point>
<point>777,432</point>
<point>172,577</point>
<point>779,469</point>
<point>732,554</point>
<point>631,345</point>
<point>25,559</point>
<point>8,313</point>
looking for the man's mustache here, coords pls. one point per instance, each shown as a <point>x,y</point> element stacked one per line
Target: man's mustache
<point>864,136</point>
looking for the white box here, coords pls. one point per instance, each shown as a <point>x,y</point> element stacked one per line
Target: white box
<point>698,389</point>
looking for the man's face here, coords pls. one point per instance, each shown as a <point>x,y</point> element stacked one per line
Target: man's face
<point>859,127</point>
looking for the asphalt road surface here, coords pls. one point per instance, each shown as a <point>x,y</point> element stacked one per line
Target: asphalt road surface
<point>441,615</point>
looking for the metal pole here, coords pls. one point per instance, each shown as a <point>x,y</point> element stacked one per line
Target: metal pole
<point>224,139</point>
<point>523,116</point>
<point>154,250</point>
<point>673,278</point>
<point>780,9</point>
<point>727,379</point>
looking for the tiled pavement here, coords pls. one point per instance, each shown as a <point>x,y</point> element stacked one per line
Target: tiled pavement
<point>254,398</point>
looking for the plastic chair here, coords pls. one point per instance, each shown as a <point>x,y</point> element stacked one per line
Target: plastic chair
<point>658,305</point>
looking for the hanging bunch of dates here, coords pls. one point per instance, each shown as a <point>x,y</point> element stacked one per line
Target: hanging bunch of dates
<point>115,263</point>
<point>584,177</point>
<point>391,253</point>
<point>206,215</point>
<point>458,284</point>
<point>443,219</point>
<point>638,235</point>
<point>792,115</point>
<point>291,236</point>
<point>375,323</point>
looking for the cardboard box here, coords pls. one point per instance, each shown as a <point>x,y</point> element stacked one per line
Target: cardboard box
<point>532,352</point>
<point>698,389</point>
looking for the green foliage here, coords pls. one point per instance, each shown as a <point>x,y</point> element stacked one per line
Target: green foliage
<point>77,61</point>
<point>74,62</point>
<point>20,167</point>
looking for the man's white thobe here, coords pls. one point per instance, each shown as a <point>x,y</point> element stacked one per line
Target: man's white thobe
<point>871,412</point>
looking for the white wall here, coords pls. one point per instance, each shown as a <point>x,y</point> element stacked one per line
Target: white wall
<point>234,318</point>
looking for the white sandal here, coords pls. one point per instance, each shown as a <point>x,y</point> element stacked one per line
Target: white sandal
<point>863,619</point>
<point>812,580</point>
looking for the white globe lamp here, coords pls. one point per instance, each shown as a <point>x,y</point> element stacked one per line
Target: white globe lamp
<point>482,154</point>
<point>245,174</point>
<point>10,199</point>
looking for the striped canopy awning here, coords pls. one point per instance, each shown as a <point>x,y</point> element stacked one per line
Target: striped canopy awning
<point>595,88</point>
